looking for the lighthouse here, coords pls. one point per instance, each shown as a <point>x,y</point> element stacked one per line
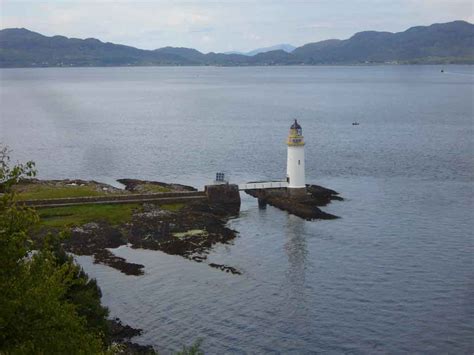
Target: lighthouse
<point>295,174</point>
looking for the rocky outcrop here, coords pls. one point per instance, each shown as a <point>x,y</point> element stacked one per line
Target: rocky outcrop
<point>189,232</point>
<point>95,239</point>
<point>139,186</point>
<point>305,206</point>
<point>121,333</point>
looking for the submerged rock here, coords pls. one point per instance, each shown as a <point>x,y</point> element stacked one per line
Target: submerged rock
<point>226,268</point>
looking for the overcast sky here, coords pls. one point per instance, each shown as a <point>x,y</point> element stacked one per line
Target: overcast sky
<point>225,25</point>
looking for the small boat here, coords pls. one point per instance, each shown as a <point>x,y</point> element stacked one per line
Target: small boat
<point>442,70</point>
<point>355,123</point>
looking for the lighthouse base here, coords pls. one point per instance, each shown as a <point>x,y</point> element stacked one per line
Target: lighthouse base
<point>296,192</point>
<point>298,201</point>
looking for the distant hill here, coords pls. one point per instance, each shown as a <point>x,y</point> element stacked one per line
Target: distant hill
<point>438,43</point>
<point>284,47</point>
<point>451,42</point>
<point>24,48</point>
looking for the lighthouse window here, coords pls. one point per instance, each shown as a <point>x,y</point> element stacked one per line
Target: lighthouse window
<point>298,162</point>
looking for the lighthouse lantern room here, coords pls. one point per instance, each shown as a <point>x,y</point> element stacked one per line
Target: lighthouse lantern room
<point>295,162</point>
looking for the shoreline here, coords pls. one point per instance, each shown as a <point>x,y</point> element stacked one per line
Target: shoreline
<point>349,65</point>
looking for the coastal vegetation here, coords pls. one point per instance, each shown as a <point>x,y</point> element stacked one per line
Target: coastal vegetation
<point>47,303</point>
<point>113,214</point>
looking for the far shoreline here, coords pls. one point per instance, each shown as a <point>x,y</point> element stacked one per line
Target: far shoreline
<point>347,65</point>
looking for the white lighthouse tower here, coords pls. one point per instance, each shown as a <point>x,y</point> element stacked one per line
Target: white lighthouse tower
<point>295,174</point>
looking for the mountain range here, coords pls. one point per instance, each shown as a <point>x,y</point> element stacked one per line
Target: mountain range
<point>451,42</point>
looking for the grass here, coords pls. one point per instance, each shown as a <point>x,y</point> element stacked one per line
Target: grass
<point>172,207</point>
<point>37,191</point>
<point>145,188</point>
<point>78,215</point>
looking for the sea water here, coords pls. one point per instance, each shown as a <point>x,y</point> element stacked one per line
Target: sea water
<point>394,274</point>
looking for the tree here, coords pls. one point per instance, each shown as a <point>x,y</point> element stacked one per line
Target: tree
<point>39,303</point>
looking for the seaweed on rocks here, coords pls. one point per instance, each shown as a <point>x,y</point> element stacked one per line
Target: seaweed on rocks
<point>172,231</point>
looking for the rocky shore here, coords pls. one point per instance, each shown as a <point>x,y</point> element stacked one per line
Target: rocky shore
<point>122,334</point>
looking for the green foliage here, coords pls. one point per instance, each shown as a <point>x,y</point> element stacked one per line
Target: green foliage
<point>151,188</point>
<point>173,207</point>
<point>84,293</point>
<point>35,314</point>
<point>47,304</point>
<point>194,349</point>
<point>9,176</point>
<point>77,215</point>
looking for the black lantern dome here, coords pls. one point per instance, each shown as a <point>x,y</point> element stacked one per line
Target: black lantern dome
<point>295,125</point>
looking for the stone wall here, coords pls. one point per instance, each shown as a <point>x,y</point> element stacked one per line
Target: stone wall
<point>164,197</point>
<point>226,196</point>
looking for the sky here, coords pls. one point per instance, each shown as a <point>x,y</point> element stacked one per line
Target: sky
<point>225,25</point>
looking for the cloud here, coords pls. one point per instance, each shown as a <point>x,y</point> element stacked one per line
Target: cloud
<point>200,29</point>
<point>206,39</point>
<point>211,25</point>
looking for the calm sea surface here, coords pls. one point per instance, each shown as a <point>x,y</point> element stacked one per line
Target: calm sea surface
<point>395,274</point>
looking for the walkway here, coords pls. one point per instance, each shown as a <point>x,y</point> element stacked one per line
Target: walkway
<point>277,184</point>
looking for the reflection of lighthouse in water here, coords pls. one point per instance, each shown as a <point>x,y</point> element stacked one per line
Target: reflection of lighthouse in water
<point>295,173</point>
<point>295,284</point>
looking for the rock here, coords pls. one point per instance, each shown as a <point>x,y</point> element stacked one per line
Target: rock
<point>106,257</point>
<point>94,239</point>
<point>135,185</point>
<point>121,334</point>
<point>226,268</point>
<point>302,205</point>
<point>119,331</point>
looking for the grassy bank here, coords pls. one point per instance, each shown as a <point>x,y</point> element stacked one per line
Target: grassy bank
<point>113,214</point>
<point>78,215</point>
<point>39,191</point>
